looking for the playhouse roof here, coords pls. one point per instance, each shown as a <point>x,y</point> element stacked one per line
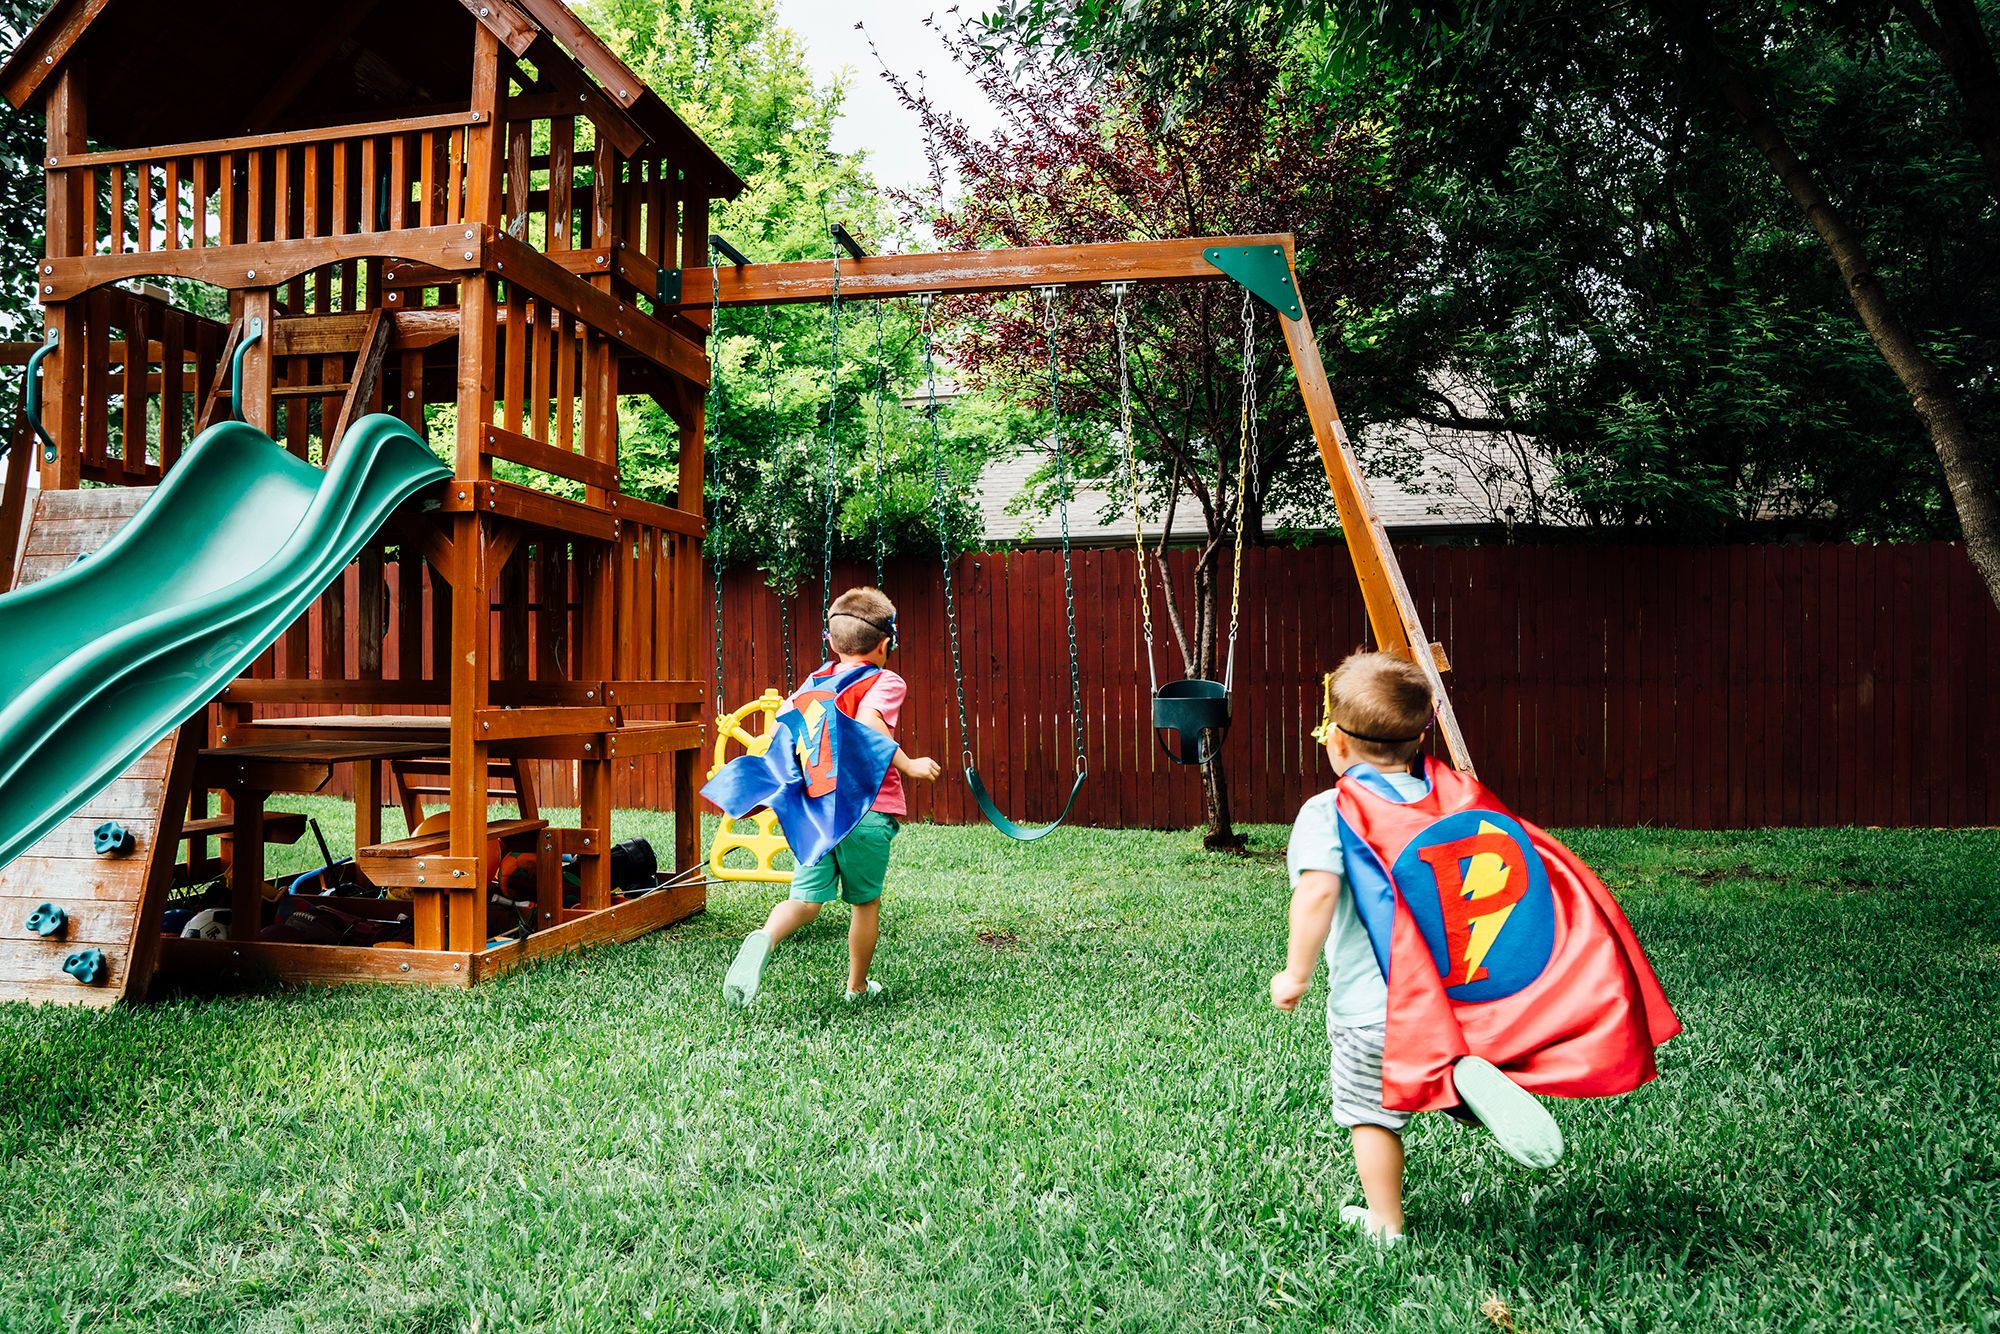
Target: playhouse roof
<point>178,71</point>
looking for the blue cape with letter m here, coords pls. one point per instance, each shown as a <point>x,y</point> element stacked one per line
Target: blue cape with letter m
<point>823,768</point>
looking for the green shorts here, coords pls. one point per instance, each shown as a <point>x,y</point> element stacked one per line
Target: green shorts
<point>858,863</point>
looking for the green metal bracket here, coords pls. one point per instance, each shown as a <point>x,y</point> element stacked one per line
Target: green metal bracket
<point>1263,271</point>
<point>253,333</point>
<point>32,397</point>
<point>667,289</point>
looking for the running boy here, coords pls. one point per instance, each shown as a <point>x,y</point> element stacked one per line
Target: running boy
<point>1414,872</point>
<point>861,628</point>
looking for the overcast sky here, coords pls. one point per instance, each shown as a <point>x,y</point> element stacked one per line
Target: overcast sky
<point>874,120</point>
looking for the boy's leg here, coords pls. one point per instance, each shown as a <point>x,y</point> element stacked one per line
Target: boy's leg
<point>862,934</point>
<point>788,916</point>
<point>1355,1077</point>
<point>864,868</point>
<point>1378,1155</point>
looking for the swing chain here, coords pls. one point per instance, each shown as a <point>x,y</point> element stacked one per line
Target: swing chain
<point>941,494</point>
<point>881,449</point>
<point>1246,449</point>
<point>778,499</point>
<point>832,435</point>
<point>1118,291</point>
<point>708,445</point>
<point>1048,295</point>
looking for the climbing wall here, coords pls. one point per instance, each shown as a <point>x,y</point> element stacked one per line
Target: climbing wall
<point>109,904</point>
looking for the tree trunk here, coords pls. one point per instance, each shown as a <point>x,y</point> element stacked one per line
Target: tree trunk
<point>1966,472</point>
<point>1959,38</point>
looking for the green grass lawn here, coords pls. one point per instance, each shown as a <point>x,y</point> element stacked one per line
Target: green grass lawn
<point>1076,1110</point>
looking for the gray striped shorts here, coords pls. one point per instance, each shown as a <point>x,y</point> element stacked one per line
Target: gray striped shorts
<point>1356,1078</point>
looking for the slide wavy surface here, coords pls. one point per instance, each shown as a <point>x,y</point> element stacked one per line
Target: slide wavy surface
<point>101,661</point>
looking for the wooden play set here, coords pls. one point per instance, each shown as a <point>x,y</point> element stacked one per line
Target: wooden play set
<point>471,215</point>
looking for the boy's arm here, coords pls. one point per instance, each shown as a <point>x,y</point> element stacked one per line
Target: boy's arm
<point>1311,919</point>
<point>923,768</point>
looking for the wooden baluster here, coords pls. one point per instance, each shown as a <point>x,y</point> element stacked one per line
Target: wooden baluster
<point>199,175</point>
<point>562,184</point>
<point>132,411</point>
<point>427,179</point>
<point>282,193</point>
<point>170,238</point>
<point>399,182</point>
<point>542,353</point>
<point>604,198</point>
<point>520,178</point>
<point>253,197</point>
<point>311,216</point>
<point>454,177</point>
<point>173,386</point>
<point>566,352</point>
<point>142,208</point>
<point>115,230</point>
<point>513,399</point>
<point>97,380</point>
<point>371,187</point>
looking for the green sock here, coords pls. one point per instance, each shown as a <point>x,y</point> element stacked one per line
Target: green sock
<point>739,985</point>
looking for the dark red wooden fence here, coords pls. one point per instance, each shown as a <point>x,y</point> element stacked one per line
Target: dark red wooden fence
<point>1705,687</point>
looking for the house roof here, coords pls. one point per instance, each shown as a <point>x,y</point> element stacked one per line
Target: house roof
<point>204,65</point>
<point>1455,492</point>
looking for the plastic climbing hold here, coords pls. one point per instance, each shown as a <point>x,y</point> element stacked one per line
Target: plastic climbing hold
<point>48,920</point>
<point>87,966</point>
<point>114,839</point>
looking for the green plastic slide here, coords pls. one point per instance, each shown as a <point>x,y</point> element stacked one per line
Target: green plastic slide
<point>100,662</point>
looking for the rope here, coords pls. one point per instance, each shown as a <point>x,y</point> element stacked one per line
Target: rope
<point>778,506</point>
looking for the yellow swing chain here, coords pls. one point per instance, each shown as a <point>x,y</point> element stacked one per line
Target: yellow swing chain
<point>1246,448</point>
<point>1118,291</point>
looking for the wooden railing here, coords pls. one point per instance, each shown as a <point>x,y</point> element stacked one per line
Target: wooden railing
<point>154,364</point>
<point>346,181</point>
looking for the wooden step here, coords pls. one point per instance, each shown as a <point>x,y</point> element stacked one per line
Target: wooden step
<point>309,390</point>
<point>279,827</point>
<point>436,845</point>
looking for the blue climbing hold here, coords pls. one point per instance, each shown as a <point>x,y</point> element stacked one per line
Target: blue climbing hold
<point>114,839</point>
<point>48,920</point>
<point>87,967</point>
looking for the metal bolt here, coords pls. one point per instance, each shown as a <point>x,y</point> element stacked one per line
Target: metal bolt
<point>586,746</point>
<point>455,967</point>
<point>487,726</point>
<point>470,235</point>
<point>461,495</point>
<point>590,694</point>
<point>405,967</point>
<point>602,259</point>
<point>468,254</point>
<point>420,880</point>
<point>253,273</point>
<point>46,290</point>
<point>412,393</point>
<point>48,268</point>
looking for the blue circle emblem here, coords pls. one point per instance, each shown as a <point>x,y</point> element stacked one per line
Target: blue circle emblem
<point>1480,895</point>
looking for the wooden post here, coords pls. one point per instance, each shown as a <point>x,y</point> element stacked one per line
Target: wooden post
<point>63,371</point>
<point>246,866</point>
<point>260,409</point>
<point>1392,613</point>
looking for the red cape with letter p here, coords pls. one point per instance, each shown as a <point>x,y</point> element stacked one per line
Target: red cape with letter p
<point>1496,942</point>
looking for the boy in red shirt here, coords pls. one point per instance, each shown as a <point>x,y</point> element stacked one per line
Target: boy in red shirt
<point>861,627</point>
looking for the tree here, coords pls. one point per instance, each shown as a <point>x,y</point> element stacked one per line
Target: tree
<point>741,80</point>
<point>22,142</point>
<point>1837,103</point>
<point>1092,158</point>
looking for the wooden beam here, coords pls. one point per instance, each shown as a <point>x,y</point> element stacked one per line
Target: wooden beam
<point>956,272</point>
<point>45,49</point>
<point>516,31</point>
<point>367,374</point>
<point>531,453</point>
<point>264,264</point>
<point>473,495</point>
<point>614,123</point>
<point>624,322</point>
<point>450,120</point>
<point>1392,612</point>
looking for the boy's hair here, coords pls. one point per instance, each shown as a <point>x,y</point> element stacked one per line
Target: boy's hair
<point>859,619</point>
<point>1382,703</point>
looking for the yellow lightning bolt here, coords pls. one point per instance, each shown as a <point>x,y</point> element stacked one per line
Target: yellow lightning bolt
<point>1485,876</point>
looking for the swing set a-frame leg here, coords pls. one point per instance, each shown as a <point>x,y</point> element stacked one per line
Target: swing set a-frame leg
<point>1392,612</point>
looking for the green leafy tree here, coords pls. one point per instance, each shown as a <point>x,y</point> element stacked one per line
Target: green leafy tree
<point>22,143</point>
<point>1089,156</point>
<point>740,79</point>
<point>1863,132</point>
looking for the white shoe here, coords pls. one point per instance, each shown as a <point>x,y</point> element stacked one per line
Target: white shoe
<point>1356,1215</point>
<point>874,990</point>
